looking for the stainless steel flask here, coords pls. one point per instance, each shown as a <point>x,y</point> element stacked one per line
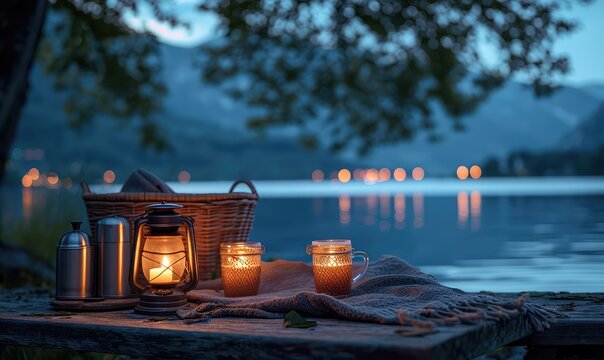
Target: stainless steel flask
<point>75,265</point>
<point>113,249</point>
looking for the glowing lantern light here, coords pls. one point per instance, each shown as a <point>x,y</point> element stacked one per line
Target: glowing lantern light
<point>462,172</point>
<point>475,172</point>
<point>344,175</point>
<point>164,260</point>
<point>109,177</point>
<point>417,173</point>
<point>400,174</point>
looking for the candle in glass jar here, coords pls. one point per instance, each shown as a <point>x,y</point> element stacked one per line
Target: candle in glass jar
<point>161,275</point>
<point>332,266</point>
<point>333,273</point>
<point>240,265</point>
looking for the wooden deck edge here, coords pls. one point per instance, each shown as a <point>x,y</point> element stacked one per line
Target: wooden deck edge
<point>152,342</point>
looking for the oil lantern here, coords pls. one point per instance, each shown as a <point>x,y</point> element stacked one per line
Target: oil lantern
<point>164,261</point>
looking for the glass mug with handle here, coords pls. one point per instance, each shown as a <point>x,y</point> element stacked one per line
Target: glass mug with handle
<point>332,266</point>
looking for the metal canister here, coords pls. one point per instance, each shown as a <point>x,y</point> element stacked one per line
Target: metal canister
<point>75,265</point>
<point>114,247</point>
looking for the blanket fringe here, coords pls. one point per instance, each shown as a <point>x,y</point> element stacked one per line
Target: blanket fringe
<point>483,308</point>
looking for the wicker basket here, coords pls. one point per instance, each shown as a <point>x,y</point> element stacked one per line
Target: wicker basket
<point>218,217</point>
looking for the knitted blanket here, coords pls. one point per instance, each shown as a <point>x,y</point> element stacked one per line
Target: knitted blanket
<point>391,292</point>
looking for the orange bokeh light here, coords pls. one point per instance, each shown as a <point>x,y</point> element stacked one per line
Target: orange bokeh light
<point>371,175</point>
<point>109,177</point>
<point>27,181</point>
<point>384,174</point>
<point>34,173</point>
<point>53,179</point>
<point>400,174</point>
<point>475,172</point>
<point>318,176</point>
<point>462,172</point>
<point>344,175</point>
<point>418,173</point>
<point>184,177</point>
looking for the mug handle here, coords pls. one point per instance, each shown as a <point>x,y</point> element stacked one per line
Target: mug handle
<point>365,264</point>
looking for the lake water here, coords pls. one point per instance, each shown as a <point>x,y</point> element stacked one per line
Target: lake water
<point>498,235</point>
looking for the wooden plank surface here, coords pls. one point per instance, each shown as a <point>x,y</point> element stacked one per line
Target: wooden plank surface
<point>127,333</point>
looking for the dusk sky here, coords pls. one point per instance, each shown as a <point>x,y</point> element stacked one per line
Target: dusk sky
<point>584,46</point>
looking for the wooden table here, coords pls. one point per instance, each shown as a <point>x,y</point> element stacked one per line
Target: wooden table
<point>127,333</point>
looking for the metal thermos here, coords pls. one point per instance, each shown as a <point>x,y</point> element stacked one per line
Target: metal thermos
<point>75,265</point>
<point>113,242</point>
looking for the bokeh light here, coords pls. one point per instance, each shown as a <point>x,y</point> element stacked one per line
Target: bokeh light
<point>318,176</point>
<point>475,172</point>
<point>67,183</point>
<point>109,177</point>
<point>184,177</point>
<point>53,178</point>
<point>418,173</point>
<point>384,174</point>
<point>27,181</point>
<point>344,175</point>
<point>371,175</point>
<point>462,172</point>
<point>400,174</point>
<point>34,173</point>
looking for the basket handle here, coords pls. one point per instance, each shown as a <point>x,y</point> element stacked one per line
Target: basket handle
<point>85,187</point>
<point>246,182</point>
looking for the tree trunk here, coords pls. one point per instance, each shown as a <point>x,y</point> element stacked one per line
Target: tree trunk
<point>21,23</point>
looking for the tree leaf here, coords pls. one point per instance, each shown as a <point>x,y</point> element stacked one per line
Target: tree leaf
<point>414,332</point>
<point>294,320</point>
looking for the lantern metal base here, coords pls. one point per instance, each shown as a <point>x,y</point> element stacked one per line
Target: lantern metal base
<point>153,302</point>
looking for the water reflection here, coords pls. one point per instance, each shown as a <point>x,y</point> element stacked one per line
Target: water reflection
<point>418,210</point>
<point>318,207</point>
<point>385,206</point>
<point>541,243</point>
<point>462,209</point>
<point>370,217</point>
<point>27,203</point>
<point>399,211</point>
<point>344,205</point>
<point>475,207</point>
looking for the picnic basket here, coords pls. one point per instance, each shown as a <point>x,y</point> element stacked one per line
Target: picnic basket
<point>218,218</point>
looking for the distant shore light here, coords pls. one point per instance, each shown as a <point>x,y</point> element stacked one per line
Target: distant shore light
<point>418,173</point>
<point>53,178</point>
<point>67,183</point>
<point>462,172</point>
<point>344,175</point>
<point>318,176</point>
<point>109,177</point>
<point>371,175</point>
<point>34,173</point>
<point>400,174</point>
<point>184,177</point>
<point>27,181</point>
<point>358,174</point>
<point>384,174</point>
<point>475,172</point>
